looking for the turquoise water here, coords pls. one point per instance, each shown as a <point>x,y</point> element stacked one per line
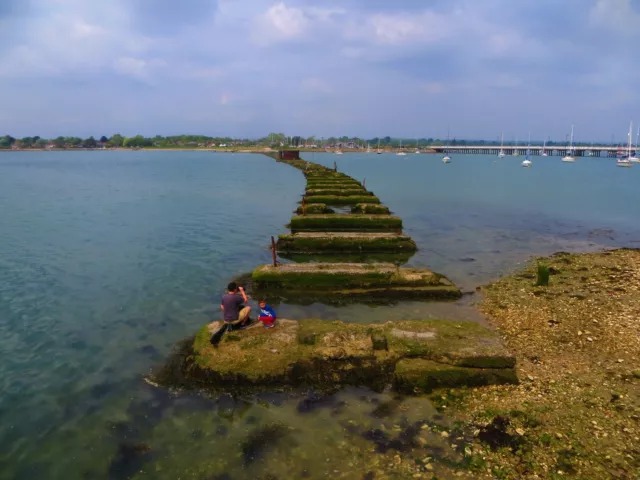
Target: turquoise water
<point>108,258</point>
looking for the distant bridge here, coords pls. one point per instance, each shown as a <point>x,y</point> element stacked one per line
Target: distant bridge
<point>578,150</point>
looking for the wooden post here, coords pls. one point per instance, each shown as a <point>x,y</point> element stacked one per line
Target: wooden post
<point>274,252</point>
<point>364,183</point>
<point>335,166</point>
<point>304,206</point>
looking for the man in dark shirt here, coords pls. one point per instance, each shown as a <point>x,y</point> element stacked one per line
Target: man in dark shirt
<point>231,303</point>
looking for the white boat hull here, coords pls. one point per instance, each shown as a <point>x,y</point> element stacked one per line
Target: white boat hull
<point>446,159</point>
<point>568,159</point>
<point>527,164</point>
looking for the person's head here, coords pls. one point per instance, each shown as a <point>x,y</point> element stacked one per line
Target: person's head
<point>232,287</point>
<point>262,302</point>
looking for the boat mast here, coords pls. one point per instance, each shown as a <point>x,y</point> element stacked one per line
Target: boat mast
<point>571,141</point>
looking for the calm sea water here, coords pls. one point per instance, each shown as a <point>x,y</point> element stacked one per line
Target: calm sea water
<point>108,258</point>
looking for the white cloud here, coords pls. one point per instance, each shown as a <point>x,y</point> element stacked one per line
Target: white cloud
<point>617,15</point>
<point>137,68</point>
<point>280,23</point>
<point>398,29</point>
<point>73,39</point>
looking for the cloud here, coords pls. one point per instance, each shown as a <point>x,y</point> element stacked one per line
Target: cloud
<point>136,67</point>
<point>402,29</point>
<point>366,67</point>
<point>280,23</point>
<point>616,15</point>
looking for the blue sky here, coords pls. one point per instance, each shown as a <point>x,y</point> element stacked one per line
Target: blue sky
<point>354,67</point>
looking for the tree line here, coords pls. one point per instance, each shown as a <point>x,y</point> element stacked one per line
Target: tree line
<point>199,141</point>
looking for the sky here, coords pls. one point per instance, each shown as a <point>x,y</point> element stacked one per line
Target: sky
<point>245,68</point>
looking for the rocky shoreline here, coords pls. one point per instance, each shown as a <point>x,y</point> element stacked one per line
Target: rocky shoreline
<point>576,413</point>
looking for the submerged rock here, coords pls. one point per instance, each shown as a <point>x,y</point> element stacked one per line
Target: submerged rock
<point>261,440</point>
<point>129,460</point>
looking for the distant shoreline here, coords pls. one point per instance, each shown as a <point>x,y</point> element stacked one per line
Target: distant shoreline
<point>195,149</point>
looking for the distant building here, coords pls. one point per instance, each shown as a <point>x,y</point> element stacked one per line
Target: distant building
<point>289,154</point>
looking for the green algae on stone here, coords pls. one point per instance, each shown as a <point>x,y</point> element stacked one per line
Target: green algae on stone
<point>345,242</point>
<point>462,344</point>
<point>339,283</point>
<point>325,354</point>
<point>370,209</point>
<point>314,209</point>
<point>323,276</point>
<point>339,192</point>
<point>416,375</point>
<point>338,200</point>
<point>335,183</point>
<point>345,223</point>
<point>397,258</point>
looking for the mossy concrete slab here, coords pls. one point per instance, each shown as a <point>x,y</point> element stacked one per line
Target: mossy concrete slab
<point>342,200</point>
<point>339,283</point>
<point>462,344</point>
<point>370,209</point>
<point>341,257</point>
<point>345,242</point>
<point>416,375</point>
<point>345,223</point>
<point>344,275</point>
<point>337,183</point>
<point>325,355</point>
<point>339,192</point>
<point>314,209</point>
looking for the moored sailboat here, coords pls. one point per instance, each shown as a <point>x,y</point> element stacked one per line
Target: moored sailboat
<point>446,158</point>
<point>401,152</point>
<point>501,152</point>
<point>570,156</point>
<point>626,161</point>
<point>634,158</point>
<point>527,161</point>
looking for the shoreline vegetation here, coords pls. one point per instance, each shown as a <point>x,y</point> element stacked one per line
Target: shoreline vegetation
<point>196,149</point>
<point>272,142</point>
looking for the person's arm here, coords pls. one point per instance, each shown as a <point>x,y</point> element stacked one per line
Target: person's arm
<point>244,295</point>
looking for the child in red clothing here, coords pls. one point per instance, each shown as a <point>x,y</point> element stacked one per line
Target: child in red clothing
<point>267,314</point>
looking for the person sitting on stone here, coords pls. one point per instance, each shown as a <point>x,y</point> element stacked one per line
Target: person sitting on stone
<point>236,316</point>
<point>267,314</point>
